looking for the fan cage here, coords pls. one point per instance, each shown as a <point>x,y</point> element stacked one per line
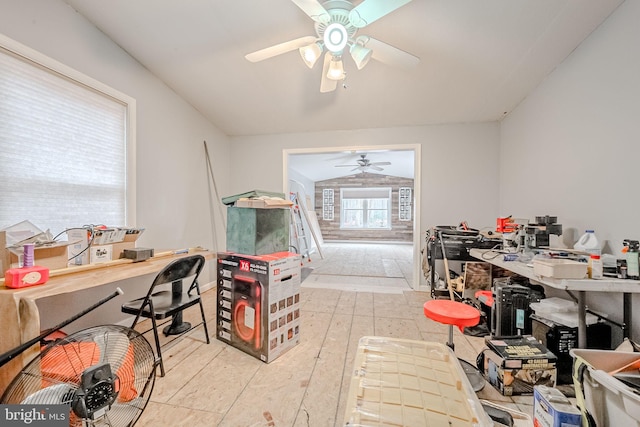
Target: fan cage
<point>55,375</point>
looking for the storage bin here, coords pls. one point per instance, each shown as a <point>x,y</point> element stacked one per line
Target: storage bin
<point>599,394</point>
<point>560,268</point>
<point>555,304</point>
<point>569,318</point>
<point>398,382</point>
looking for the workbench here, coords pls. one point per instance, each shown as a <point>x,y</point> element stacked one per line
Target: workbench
<point>580,286</point>
<point>19,312</point>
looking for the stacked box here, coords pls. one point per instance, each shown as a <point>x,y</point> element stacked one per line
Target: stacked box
<point>255,231</point>
<point>258,302</point>
<point>515,365</point>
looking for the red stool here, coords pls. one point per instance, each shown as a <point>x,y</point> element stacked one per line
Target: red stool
<point>452,313</point>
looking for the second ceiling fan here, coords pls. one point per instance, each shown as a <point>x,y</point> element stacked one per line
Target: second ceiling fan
<point>363,164</point>
<point>336,25</point>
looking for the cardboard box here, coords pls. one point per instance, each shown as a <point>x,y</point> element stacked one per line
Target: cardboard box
<point>231,200</point>
<point>514,366</point>
<point>551,408</point>
<point>253,231</point>
<point>52,256</point>
<point>258,300</point>
<point>78,251</point>
<point>113,240</point>
<point>101,253</point>
<point>263,203</point>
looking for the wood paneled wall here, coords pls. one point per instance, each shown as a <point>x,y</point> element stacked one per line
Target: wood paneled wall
<point>401,231</point>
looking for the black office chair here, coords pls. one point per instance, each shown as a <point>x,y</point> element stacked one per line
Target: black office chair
<point>162,302</point>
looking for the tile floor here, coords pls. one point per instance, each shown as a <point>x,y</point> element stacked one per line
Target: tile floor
<point>218,385</point>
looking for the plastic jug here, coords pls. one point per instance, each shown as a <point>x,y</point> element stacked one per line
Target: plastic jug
<point>588,242</point>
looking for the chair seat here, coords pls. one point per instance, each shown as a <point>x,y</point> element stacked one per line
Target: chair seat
<point>451,313</point>
<point>165,304</point>
<point>161,304</point>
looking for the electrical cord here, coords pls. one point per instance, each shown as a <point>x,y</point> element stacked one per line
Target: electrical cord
<point>89,228</point>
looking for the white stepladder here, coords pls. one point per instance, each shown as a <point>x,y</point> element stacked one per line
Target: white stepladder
<point>301,221</point>
<point>298,232</point>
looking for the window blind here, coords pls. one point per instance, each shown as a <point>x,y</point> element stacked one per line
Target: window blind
<point>366,193</point>
<point>62,149</point>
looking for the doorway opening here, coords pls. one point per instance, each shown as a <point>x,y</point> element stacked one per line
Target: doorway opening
<point>304,167</point>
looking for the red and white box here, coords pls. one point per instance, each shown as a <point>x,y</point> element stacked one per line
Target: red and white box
<point>258,302</point>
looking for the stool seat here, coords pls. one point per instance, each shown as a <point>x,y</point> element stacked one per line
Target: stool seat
<point>485,297</point>
<point>451,313</point>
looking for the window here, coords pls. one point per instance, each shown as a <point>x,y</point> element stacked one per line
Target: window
<point>327,204</point>
<point>64,145</point>
<point>404,204</point>
<point>365,208</point>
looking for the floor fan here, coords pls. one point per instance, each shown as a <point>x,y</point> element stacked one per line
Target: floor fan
<point>105,374</point>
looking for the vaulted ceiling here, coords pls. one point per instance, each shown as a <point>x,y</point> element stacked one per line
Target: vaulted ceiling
<point>478,59</point>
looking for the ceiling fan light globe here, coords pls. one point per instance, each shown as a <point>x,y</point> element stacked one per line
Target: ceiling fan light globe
<point>336,70</point>
<point>335,37</point>
<point>360,54</point>
<point>310,54</point>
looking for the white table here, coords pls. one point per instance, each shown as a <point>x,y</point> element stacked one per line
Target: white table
<point>581,286</point>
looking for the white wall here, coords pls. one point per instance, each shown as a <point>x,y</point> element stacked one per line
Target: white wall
<point>572,148</point>
<point>303,185</point>
<point>459,166</point>
<point>171,167</point>
<point>172,182</point>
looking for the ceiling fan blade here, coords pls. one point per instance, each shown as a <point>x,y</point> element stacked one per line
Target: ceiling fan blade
<point>371,10</point>
<point>279,49</point>
<point>314,10</point>
<point>380,163</point>
<point>374,167</point>
<point>388,54</point>
<point>326,84</point>
<point>345,166</point>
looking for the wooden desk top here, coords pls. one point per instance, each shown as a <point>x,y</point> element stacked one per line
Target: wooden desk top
<point>85,277</point>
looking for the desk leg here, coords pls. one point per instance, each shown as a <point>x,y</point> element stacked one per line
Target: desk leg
<point>21,323</point>
<point>627,315</point>
<point>582,322</point>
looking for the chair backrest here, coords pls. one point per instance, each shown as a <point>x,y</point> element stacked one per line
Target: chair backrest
<point>179,269</point>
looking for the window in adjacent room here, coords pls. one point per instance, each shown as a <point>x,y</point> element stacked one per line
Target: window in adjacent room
<point>365,208</point>
<point>66,144</point>
<point>327,204</point>
<point>404,204</point>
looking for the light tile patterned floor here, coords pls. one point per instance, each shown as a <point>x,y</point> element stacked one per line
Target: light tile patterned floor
<point>218,385</point>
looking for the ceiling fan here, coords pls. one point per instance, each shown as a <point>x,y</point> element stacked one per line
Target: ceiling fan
<point>363,164</point>
<point>336,25</point>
